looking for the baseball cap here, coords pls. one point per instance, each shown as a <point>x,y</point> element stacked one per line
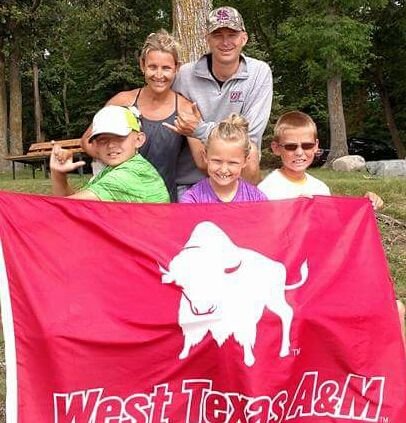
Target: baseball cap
<point>225,17</point>
<point>117,120</point>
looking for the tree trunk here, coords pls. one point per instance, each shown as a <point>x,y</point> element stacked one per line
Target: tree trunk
<point>65,107</point>
<point>338,136</point>
<point>39,136</point>
<point>4,164</point>
<point>390,119</point>
<point>65,97</point>
<point>189,26</point>
<point>15,116</point>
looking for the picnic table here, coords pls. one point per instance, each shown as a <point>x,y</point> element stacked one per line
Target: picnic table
<point>39,153</point>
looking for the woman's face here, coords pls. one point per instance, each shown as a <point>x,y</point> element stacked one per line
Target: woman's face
<point>159,70</point>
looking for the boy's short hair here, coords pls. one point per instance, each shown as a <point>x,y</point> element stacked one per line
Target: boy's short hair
<point>116,120</point>
<point>293,120</point>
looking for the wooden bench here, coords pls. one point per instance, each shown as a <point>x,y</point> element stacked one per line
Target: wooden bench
<point>39,153</point>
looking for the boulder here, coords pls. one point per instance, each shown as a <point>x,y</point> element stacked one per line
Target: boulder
<point>387,167</point>
<point>349,163</point>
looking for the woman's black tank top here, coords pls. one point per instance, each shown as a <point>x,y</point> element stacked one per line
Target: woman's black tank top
<point>162,146</point>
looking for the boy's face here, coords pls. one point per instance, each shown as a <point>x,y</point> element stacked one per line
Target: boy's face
<point>114,149</point>
<point>297,148</point>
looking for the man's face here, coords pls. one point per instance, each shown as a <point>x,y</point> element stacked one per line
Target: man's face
<point>114,149</point>
<point>226,45</point>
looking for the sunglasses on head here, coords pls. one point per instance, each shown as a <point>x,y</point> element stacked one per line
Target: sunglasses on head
<point>294,146</point>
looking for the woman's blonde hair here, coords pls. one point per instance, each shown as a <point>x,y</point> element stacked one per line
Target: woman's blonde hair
<point>293,120</point>
<point>161,41</point>
<point>232,129</point>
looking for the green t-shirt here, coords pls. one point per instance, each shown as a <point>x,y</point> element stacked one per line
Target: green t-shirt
<point>135,180</point>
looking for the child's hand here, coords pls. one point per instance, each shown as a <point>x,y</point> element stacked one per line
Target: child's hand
<point>376,201</point>
<point>62,155</point>
<point>62,160</point>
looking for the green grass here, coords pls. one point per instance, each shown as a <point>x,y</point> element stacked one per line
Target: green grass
<point>392,190</point>
<point>391,219</point>
<point>40,185</point>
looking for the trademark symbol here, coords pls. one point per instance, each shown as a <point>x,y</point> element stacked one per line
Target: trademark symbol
<point>296,352</point>
<point>384,419</point>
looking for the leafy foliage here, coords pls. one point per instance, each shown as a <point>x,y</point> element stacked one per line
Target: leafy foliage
<point>89,49</point>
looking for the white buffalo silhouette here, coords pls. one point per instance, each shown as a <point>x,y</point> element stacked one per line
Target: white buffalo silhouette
<point>225,290</point>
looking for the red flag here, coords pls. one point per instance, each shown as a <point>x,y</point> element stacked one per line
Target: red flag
<point>269,312</point>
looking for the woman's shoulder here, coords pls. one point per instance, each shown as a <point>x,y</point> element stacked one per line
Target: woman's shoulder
<point>124,98</point>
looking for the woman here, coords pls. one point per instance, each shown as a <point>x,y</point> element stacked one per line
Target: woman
<point>159,104</point>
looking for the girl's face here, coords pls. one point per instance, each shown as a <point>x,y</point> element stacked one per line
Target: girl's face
<point>159,70</point>
<point>225,162</point>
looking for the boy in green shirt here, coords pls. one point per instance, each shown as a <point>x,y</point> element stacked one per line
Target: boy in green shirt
<point>117,136</point>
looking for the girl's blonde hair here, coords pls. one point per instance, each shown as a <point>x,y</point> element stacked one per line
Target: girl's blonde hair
<point>293,120</point>
<point>161,41</point>
<point>232,129</point>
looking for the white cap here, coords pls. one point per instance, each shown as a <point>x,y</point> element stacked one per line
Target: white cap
<point>117,120</point>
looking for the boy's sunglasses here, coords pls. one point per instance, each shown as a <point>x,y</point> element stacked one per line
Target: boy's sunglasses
<point>294,146</point>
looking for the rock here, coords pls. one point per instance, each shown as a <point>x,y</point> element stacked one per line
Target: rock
<point>387,167</point>
<point>349,163</point>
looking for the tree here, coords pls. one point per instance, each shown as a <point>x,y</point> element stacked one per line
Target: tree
<point>388,68</point>
<point>189,26</point>
<point>330,42</point>
<point>4,165</point>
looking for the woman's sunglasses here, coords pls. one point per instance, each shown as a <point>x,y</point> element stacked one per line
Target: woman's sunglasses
<point>294,146</point>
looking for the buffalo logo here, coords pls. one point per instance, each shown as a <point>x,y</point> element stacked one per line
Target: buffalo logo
<point>225,290</point>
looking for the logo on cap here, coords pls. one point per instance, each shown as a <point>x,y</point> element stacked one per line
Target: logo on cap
<point>225,17</point>
<point>222,15</point>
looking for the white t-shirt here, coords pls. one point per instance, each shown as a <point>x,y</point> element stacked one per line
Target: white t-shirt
<point>276,186</point>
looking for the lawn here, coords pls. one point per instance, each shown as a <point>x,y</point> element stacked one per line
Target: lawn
<point>391,219</point>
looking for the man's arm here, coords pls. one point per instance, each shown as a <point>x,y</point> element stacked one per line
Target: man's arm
<point>186,121</point>
<point>186,107</point>
<point>256,108</point>
<point>251,172</point>
<point>258,103</point>
<point>190,124</point>
<point>197,150</point>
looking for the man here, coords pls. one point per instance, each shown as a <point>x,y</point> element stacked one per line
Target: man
<point>223,82</point>
<point>116,137</point>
